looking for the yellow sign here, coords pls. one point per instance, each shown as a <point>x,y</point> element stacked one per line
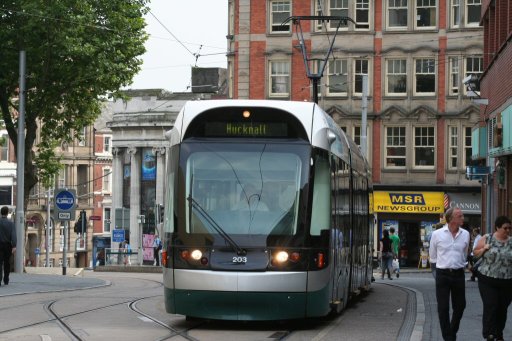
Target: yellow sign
<point>408,202</point>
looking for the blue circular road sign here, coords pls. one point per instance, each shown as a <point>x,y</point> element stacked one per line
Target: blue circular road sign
<point>65,200</point>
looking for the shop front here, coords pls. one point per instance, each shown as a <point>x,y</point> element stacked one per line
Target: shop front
<point>413,215</point>
<point>470,204</point>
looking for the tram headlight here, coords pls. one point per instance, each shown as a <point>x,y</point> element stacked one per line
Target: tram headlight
<point>281,257</point>
<point>196,255</point>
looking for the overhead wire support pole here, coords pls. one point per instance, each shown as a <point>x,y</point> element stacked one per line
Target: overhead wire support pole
<point>20,173</point>
<point>315,76</point>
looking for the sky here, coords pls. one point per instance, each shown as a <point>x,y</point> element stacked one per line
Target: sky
<point>178,32</point>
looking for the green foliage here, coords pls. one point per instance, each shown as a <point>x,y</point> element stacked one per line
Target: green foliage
<point>76,52</point>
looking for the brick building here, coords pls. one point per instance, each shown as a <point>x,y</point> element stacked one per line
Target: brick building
<point>493,138</point>
<point>420,119</point>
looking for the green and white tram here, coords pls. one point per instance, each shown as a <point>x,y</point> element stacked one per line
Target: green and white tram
<point>267,212</point>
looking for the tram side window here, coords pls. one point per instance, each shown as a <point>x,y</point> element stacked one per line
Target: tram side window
<point>343,200</point>
<point>321,209</point>
<point>170,190</point>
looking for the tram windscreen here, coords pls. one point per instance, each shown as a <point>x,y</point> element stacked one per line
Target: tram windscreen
<point>245,189</point>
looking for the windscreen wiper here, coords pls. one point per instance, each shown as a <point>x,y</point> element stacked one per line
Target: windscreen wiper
<point>193,203</point>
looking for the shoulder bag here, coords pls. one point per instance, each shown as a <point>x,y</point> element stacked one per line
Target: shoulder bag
<point>481,258</point>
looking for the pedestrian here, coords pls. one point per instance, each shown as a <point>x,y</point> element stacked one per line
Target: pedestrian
<point>7,244</point>
<point>395,245</point>
<point>448,250</point>
<point>386,255</point>
<point>475,237</point>
<point>157,246</point>
<point>495,278</point>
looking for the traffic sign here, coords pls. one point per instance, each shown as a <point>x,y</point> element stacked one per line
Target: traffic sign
<point>37,251</point>
<point>118,235</point>
<point>65,203</point>
<point>64,215</point>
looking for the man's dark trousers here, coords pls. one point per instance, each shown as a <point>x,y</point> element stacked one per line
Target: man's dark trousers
<point>450,283</point>
<point>5,257</point>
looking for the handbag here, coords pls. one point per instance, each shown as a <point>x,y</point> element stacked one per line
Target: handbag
<point>479,261</point>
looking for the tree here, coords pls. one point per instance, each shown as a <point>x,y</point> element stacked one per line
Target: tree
<point>77,51</point>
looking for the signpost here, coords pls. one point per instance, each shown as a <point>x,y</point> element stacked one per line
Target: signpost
<point>118,235</point>
<point>65,205</point>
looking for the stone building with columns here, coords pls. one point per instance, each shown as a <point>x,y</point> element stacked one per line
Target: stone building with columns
<point>138,126</point>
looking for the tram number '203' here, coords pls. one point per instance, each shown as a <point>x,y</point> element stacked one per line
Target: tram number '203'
<point>240,260</point>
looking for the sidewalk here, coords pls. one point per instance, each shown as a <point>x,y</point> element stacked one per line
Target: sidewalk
<point>36,281</point>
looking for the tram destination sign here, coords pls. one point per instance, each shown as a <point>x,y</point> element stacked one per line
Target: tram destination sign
<point>246,129</point>
<point>65,204</point>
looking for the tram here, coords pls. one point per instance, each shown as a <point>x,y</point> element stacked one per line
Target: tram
<point>267,213</point>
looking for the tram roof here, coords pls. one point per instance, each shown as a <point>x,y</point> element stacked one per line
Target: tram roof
<point>316,122</point>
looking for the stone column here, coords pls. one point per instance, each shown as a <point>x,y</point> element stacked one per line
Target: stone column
<point>117,183</point>
<point>135,227</point>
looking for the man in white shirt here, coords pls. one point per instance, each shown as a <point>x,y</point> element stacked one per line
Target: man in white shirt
<point>448,250</point>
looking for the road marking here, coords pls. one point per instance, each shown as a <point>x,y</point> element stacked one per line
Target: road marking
<point>45,337</point>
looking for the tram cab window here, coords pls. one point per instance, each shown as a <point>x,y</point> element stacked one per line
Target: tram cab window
<point>250,192</point>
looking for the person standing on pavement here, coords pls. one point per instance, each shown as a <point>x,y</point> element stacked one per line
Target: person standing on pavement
<point>475,237</point>
<point>395,245</point>
<point>386,254</point>
<point>157,246</point>
<point>495,278</point>
<point>448,250</point>
<point>7,244</point>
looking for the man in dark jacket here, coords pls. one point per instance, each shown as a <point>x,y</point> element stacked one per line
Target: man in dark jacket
<point>7,244</point>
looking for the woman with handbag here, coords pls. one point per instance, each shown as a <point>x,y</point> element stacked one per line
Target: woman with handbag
<point>386,254</point>
<point>495,277</point>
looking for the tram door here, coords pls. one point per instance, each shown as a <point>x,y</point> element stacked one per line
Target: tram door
<point>339,285</point>
<point>338,234</point>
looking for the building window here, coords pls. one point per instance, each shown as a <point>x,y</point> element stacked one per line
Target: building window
<point>337,74</point>
<point>359,10</point>
<point>107,176</point>
<point>424,141</point>
<point>61,178</point>
<point>337,8</point>
<point>82,137</point>
<point>467,147</point>
<point>397,14</point>
<point>107,144</point>
<point>279,12</point>
<point>473,10</point>
<point>470,15</point>
<point>454,76</point>
<point>453,147</point>
<point>425,13</point>
<point>474,66</point>
<point>425,77</point>
<point>396,77</point>
<point>360,69</point>
<point>106,219</point>
<point>362,14</point>
<point>279,79</point>
<point>357,135</point>
<point>455,13</point>
<point>395,147</point>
